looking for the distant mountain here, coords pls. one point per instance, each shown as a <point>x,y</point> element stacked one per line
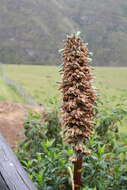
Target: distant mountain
<point>31,31</point>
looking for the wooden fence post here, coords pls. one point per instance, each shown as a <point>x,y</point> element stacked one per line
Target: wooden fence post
<point>12,175</point>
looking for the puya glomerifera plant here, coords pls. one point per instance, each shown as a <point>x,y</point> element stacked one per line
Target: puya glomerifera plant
<point>78,100</point>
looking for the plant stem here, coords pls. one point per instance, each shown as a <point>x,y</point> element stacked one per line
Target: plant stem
<point>77,172</point>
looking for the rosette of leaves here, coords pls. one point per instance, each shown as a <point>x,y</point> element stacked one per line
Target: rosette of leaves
<point>78,98</point>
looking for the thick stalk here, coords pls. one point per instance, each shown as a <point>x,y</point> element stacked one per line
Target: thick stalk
<point>77,172</point>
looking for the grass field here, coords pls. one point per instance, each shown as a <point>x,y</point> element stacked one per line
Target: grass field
<point>8,93</point>
<point>41,83</point>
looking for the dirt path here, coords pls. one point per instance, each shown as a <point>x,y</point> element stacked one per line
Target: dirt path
<point>12,116</point>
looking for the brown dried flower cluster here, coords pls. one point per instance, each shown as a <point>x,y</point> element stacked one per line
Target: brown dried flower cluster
<point>78,93</point>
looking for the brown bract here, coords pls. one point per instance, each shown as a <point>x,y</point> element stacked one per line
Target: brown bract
<point>78,94</point>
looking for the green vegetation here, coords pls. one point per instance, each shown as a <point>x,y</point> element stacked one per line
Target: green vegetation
<point>41,81</point>
<point>31,30</point>
<point>38,81</point>
<point>45,156</point>
<point>7,93</point>
<point>43,153</point>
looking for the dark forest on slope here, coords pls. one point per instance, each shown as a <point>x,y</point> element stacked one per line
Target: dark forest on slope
<point>31,31</point>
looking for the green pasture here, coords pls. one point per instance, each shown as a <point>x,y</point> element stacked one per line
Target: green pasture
<point>7,93</point>
<point>38,81</point>
<point>41,81</point>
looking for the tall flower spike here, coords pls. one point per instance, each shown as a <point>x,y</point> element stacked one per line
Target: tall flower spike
<point>78,99</point>
<point>78,94</point>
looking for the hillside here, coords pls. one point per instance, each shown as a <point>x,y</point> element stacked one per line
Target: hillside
<point>31,31</point>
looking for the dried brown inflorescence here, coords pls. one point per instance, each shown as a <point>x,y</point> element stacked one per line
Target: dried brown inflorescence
<point>78,93</point>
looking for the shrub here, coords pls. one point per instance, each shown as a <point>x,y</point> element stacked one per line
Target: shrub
<point>45,156</point>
